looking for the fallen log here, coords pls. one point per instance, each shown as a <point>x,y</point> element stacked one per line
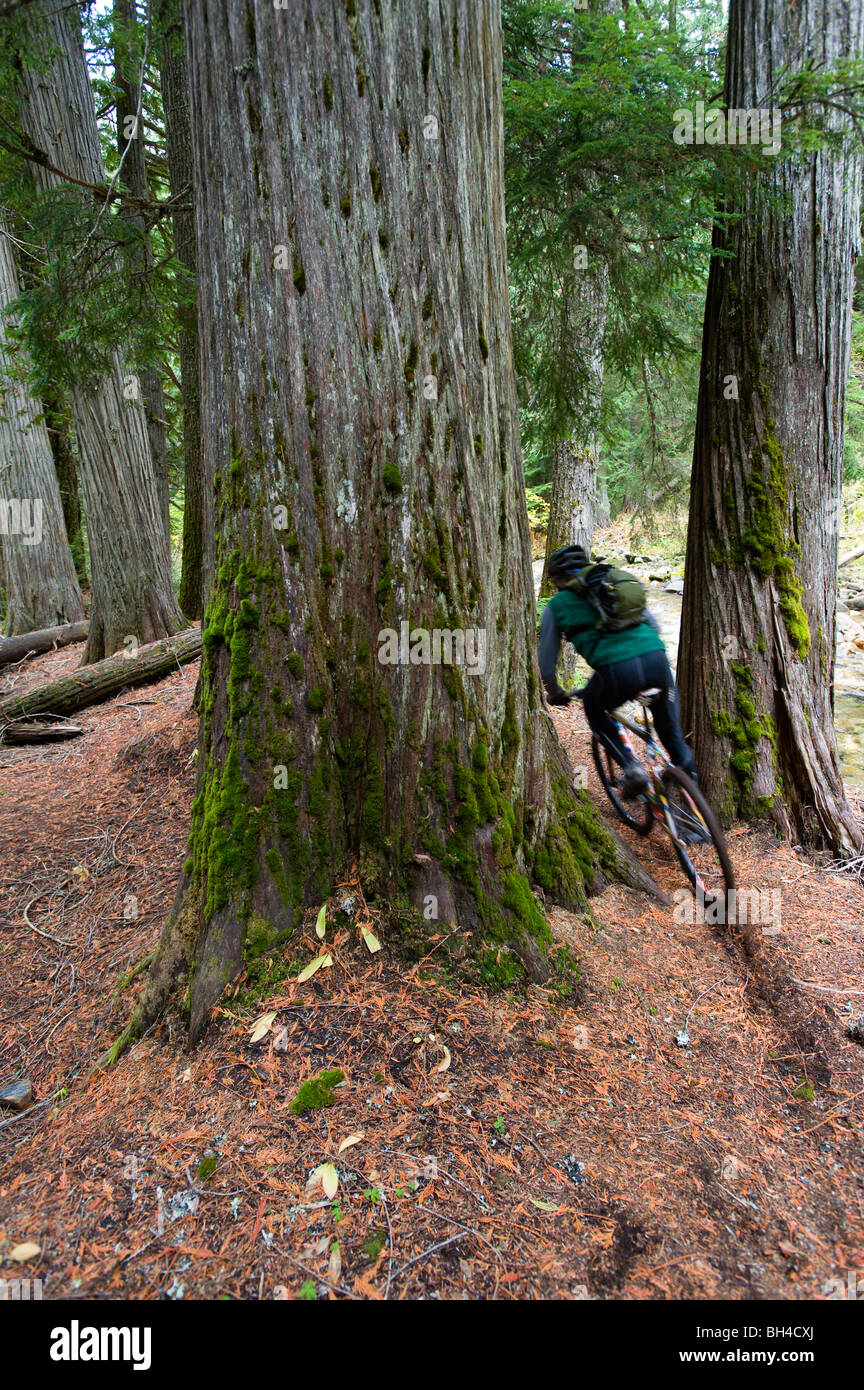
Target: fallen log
<point>91,684</point>
<point>15,734</point>
<point>850,556</point>
<point>14,649</point>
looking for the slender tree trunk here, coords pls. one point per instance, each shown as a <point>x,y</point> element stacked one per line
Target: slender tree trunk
<point>362,447</point>
<point>128,50</point>
<point>131,594</point>
<point>39,575</point>
<point>602,510</point>
<point>175,100</point>
<point>66,464</point>
<point>756,659</point>
<point>573,496</point>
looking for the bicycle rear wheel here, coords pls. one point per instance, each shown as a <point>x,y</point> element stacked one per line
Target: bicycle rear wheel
<point>638,814</point>
<point>705,862</point>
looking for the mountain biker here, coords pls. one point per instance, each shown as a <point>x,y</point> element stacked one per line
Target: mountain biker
<point>624,663</point>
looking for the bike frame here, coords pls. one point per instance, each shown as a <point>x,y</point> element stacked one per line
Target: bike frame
<point>658,759</point>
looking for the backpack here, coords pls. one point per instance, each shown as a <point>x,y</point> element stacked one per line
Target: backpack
<point>618,596</point>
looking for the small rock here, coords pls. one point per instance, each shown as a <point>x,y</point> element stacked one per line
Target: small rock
<point>856,1030</point>
<point>574,1170</point>
<point>659,576</point>
<point>675,586</point>
<point>17,1095</point>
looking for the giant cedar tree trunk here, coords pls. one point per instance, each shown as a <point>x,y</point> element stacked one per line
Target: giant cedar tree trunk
<point>756,660</point>
<point>174,78</point>
<point>131,593</point>
<point>131,146</point>
<point>351,249</point>
<point>39,575</point>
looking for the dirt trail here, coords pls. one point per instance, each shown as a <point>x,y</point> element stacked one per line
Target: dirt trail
<point>520,1148</point>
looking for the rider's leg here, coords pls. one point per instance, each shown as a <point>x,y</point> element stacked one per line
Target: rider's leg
<point>609,687</point>
<point>598,697</point>
<point>666,710</point>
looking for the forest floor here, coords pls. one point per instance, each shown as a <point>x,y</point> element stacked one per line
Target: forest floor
<point>503,1145</point>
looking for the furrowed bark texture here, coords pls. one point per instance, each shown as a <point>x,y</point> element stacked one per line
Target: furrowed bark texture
<point>131,593</point>
<point>357,374</point>
<point>38,572</point>
<point>59,428</point>
<point>573,498</point>
<point>128,50</point>
<point>756,661</point>
<point>174,77</point>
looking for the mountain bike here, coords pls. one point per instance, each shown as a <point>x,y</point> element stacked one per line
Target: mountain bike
<point>672,801</point>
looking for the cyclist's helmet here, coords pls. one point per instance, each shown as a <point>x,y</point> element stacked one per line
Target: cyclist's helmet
<point>564,563</point>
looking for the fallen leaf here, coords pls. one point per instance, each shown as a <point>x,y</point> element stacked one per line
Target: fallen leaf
<point>543,1206</point>
<point>334,1268</point>
<point>443,1065</point>
<point>349,1143</point>
<point>309,970</point>
<point>371,939</point>
<point>27,1251</point>
<point>261,1027</point>
<point>321,924</point>
<point>329,1179</point>
<point>81,873</point>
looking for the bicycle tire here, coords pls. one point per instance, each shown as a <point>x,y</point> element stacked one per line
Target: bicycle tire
<point>607,771</point>
<point>674,777</point>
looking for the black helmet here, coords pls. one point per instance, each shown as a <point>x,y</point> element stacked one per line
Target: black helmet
<point>564,562</point>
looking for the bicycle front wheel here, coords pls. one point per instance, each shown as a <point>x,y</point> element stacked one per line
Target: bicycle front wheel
<point>638,814</point>
<point>698,841</point>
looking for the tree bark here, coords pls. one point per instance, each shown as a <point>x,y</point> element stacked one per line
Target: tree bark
<point>66,465</point>
<point>573,499</point>
<point>174,76</point>
<point>131,593</point>
<point>361,443</point>
<point>14,649</point>
<point>132,150</point>
<point>573,496</point>
<point>39,574</point>
<point>756,661</point>
<point>91,684</point>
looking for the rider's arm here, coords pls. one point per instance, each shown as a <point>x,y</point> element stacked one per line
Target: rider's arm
<point>550,646</point>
